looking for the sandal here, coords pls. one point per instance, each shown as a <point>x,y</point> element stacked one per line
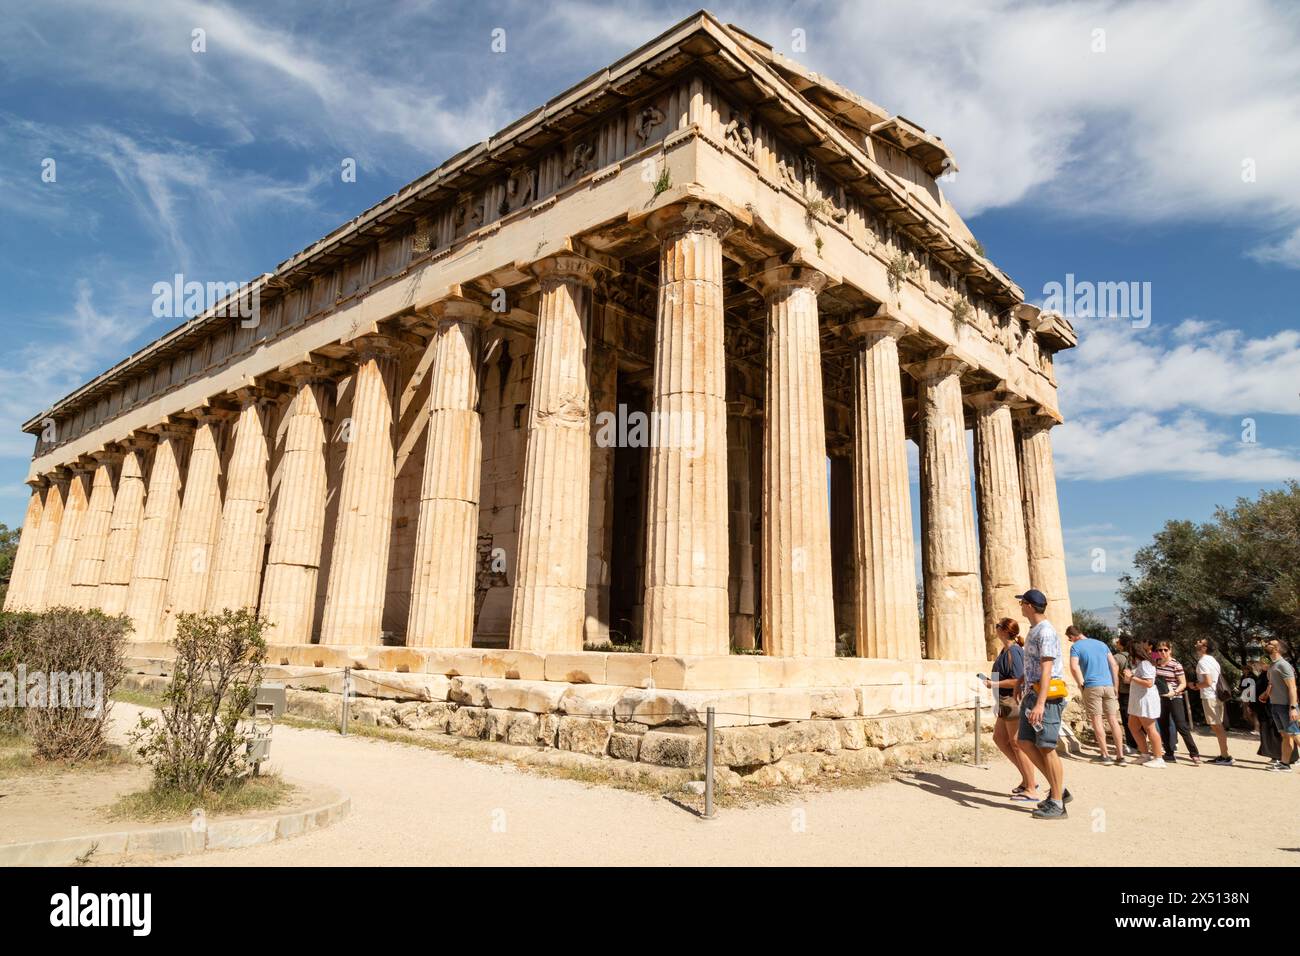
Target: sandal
<point>1026,796</point>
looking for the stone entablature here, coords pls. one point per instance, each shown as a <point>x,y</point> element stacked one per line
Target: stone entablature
<point>512,177</point>
<point>406,447</point>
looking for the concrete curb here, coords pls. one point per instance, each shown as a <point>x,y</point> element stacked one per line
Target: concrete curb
<point>176,840</point>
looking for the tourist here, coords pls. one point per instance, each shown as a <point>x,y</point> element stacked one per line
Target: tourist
<point>1208,671</point>
<point>1043,698</point>
<point>1008,670</point>
<point>1284,705</point>
<point>1095,670</point>
<point>1174,719</point>
<point>1123,662</point>
<point>1144,705</point>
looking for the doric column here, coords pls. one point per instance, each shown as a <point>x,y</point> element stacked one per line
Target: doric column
<point>199,525</point>
<point>241,542</point>
<point>687,559</point>
<point>298,523</point>
<point>358,574</point>
<point>157,538</point>
<point>798,599</point>
<point>551,576</point>
<point>93,546</point>
<point>740,523</point>
<point>58,585</point>
<point>1046,545</point>
<point>888,624</point>
<point>844,564</point>
<point>1004,566</point>
<point>954,620</point>
<point>21,576</point>
<point>54,498</point>
<point>123,529</point>
<point>446,537</point>
<point>600,512</point>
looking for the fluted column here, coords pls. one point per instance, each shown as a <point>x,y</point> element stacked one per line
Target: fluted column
<point>124,528</point>
<point>298,524</point>
<point>198,527</point>
<point>358,574</point>
<point>93,546</point>
<point>551,580</point>
<point>241,542</point>
<point>740,523</point>
<point>21,576</point>
<point>844,563</point>
<point>954,619</point>
<point>1046,545</point>
<point>58,585</point>
<point>888,624</point>
<point>446,538</point>
<point>54,498</point>
<point>798,599</point>
<point>687,562</point>
<point>157,538</point>
<point>1004,564</point>
<point>600,513</point>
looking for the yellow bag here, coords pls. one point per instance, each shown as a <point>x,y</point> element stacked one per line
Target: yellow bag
<point>1057,690</point>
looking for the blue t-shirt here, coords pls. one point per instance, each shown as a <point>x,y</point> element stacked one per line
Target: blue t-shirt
<point>1010,663</point>
<point>1091,655</point>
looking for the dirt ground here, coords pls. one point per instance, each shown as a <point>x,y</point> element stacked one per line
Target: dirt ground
<point>415,806</point>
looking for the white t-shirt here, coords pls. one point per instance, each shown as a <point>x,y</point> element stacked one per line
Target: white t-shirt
<point>1207,671</point>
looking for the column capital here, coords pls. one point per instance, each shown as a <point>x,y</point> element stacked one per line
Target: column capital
<point>773,275</point>
<point>109,455</point>
<point>1035,417</point>
<point>876,326</point>
<point>252,394</point>
<point>940,366</point>
<point>172,429</point>
<point>565,267</point>
<point>140,440</point>
<point>379,345</point>
<point>681,218</point>
<point>37,482</point>
<point>994,397</point>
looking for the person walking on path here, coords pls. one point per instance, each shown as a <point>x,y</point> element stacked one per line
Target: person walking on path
<point>1123,662</point>
<point>1173,705</point>
<point>1095,670</point>
<point>1208,678</point>
<point>1284,705</point>
<point>1008,671</point>
<point>1144,705</point>
<point>1043,699</point>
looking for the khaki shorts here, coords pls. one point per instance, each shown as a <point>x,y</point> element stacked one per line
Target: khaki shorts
<point>1213,711</point>
<point>1101,700</point>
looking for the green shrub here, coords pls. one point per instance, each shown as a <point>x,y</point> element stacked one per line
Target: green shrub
<point>73,660</point>
<point>198,743</point>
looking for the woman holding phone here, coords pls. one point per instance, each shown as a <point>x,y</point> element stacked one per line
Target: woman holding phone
<point>1144,705</point>
<point>1008,670</point>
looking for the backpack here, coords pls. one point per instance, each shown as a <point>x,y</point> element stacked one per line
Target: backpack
<point>1221,689</point>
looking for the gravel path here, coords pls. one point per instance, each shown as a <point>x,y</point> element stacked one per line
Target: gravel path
<point>415,806</point>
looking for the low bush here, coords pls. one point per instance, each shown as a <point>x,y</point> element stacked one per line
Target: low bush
<point>197,745</point>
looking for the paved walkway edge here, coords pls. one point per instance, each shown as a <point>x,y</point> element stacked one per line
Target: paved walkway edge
<point>177,840</point>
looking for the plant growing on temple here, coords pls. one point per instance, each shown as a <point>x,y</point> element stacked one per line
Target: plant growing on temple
<point>898,268</point>
<point>65,662</point>
<point>961,311</point>
<point>663,183</point>
<point>198,743</point>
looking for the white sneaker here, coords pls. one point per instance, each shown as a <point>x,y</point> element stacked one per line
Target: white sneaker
<point>1155,762</point>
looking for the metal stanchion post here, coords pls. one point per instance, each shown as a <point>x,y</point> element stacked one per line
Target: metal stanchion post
<point>708,764</point>
<point>978,720</point>
<point>347,697</point>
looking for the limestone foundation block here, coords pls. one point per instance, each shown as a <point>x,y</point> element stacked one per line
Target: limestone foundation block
<point>585,735</point>
<point>586,667</point>
<point>674,747</point>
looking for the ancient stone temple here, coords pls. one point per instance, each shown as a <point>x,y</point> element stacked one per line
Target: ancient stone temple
<point>644,365</point>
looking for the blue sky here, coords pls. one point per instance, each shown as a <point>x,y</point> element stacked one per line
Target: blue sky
<point>1135,142</point>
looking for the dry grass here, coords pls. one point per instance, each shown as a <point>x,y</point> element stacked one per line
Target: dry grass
<point>246,795</point>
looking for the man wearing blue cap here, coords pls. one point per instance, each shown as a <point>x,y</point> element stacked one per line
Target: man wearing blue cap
<point>1040,709</point>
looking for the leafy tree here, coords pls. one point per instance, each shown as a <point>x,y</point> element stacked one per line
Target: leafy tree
<point>1234,580</point>
<point>1093,626</point>
<point>8,550</point>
